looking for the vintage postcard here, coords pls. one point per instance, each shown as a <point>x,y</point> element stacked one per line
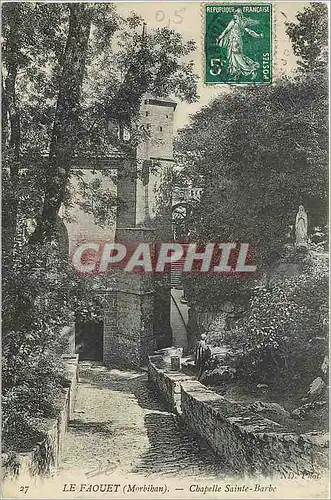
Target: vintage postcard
<point>165,250</point>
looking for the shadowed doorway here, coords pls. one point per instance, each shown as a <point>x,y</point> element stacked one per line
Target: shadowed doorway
<point>89,340</point>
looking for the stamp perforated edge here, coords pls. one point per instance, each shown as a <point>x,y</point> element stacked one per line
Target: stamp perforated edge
<point>202,44</point>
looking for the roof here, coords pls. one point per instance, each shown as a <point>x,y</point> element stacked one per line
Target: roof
<point>161,101</point>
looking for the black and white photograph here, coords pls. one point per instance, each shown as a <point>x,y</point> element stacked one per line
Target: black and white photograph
<point>165,249</point>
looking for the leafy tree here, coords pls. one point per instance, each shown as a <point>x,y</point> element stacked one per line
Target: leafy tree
<point>309,37</point>
<point>260,152</point>
<point>66,119</point>
<point>38,301</point>
<point>66,76</point>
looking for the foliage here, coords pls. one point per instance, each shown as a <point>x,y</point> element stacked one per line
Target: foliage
<point>65,79</point>
<point>118,56</point>
<point>38,300</point>
<point>33,399</point>
<point>252,191</point>
<point>259,153</point>
<point>309,37</point>
<point>99,201</point>
<point>285,332</point>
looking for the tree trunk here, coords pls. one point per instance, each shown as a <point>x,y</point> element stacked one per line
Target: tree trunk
<point>11,136</point>
<point>66,121</point>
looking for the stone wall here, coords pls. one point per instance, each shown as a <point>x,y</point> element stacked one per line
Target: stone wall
<point>45,457</point>
<point>247,442</point>
<point>128,336</point>
<point>127,194</point>
<point>83,226</point>
<point>167,382</point>
<point>128,329</point>
<point>110,332</point>
<point>128,323</point>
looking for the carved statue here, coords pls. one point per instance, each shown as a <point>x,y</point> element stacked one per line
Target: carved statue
<point>301,228</point>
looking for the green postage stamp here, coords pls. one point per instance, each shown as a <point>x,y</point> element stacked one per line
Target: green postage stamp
<point>237,43</point>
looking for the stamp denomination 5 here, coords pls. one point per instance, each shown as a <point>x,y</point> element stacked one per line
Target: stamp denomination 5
<point>237,43</point>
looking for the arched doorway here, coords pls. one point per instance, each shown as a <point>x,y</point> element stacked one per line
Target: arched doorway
<point>88,334</point>
<point>180,214</point>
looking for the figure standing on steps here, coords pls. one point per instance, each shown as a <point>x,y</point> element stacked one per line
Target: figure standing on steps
<point>202,355</point>
<point>301,228</point>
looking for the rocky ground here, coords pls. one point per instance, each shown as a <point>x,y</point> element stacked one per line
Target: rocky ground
<point>279,406</point>
<point>299,407</point>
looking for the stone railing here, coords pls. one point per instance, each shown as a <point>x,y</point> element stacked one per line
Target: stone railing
<point>247,442</point>
<point>166,381</point>
<point>46,455</point>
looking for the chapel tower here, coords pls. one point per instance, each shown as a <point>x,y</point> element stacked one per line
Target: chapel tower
<point>136,316</point>
<point>154,158</point>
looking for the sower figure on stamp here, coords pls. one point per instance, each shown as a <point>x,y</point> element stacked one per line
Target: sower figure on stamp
<point>232,39</point>
<point>202,355</point>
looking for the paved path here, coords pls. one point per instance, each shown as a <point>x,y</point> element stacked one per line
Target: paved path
<point>121,425</point>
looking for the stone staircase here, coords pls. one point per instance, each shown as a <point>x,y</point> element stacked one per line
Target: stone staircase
<point>176,271</point>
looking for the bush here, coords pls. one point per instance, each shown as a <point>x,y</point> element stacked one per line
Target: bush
<point>285,333</point>
<point>39,294</point>
<point>32,400</point>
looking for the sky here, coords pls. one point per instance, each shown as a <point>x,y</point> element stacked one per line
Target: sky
<point>186,18</point>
